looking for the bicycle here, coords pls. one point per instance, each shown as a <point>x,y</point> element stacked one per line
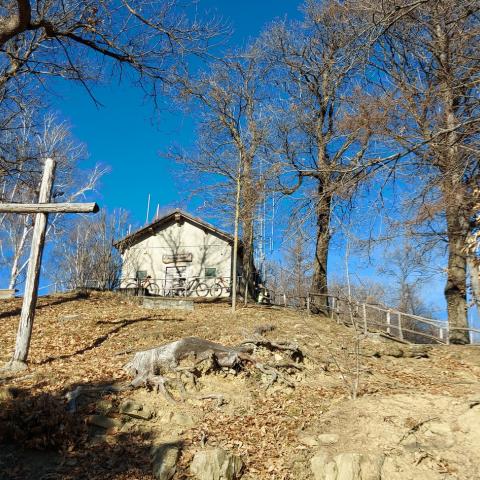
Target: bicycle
<point>182,287</point>
<point>146,286</point>
<point>219,286</point>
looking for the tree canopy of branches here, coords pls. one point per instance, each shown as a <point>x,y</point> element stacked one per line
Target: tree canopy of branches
<point>234,139</point>
<point>85,258</point>
<point>427,62</point>
<point>38,138</point>
<point>324,130</point>
<point>85,41</point>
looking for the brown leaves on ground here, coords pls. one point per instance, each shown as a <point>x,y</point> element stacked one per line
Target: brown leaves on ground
<point>86,341</point>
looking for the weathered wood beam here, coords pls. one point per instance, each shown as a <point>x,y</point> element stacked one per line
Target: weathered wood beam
<point>49,208</point>
<point>27,315</point>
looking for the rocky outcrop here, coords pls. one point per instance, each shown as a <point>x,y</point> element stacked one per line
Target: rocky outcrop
<point>347,466</point>
<point>216,464</point>
<point>164,459</point>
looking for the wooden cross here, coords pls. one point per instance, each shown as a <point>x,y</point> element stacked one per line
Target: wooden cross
<point>41,211</point>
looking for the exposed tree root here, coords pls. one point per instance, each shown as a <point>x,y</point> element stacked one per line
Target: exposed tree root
<point>151,367</point>
<point>73,396</point>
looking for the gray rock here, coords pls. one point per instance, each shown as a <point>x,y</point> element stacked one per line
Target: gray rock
<point>347,466</point>
<point>216,464</point>
<point>327,439</point>
<point>136,410</point>
<point>164,459</point>
<point>179,418</point>
<point>104,422</point>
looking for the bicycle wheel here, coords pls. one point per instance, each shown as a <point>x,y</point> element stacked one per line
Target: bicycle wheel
<point>216,290</point>
<point>202,290</point>
<point>132,286</point>
<point>152,289</point>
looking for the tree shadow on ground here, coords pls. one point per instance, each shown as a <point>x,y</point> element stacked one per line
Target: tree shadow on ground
<point>70,297</point>
<point>40,439</point>
<point>120,325</point>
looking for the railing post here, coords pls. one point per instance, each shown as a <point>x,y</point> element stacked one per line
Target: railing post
<point>400,331</point>
<point>440,333</point>
<point>364,315</point>
<point>388,323</point>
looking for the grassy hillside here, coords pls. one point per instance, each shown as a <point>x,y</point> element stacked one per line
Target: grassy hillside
<point>404,392</point>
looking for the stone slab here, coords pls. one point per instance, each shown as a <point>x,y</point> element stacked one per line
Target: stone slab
<point>163,303</point>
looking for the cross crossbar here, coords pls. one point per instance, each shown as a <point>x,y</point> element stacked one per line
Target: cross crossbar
<point>49,208</point>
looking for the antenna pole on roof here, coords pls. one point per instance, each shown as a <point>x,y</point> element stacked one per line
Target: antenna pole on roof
<point>148,209</point>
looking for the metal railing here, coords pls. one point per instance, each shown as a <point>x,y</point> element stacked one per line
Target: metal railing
<point>369,317</point>
<point>394,323</point>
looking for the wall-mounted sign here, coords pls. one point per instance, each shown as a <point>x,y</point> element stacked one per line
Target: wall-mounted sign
<point>177,258</point>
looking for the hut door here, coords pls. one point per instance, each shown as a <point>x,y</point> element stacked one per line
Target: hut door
<point>173,275</point>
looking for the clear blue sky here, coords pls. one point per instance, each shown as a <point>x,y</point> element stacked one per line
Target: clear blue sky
<point>129,136</point>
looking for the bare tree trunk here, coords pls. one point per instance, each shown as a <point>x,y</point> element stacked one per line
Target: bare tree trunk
<point>454,197</point>
<point>247,260</point>
<point>474,281</point>
<point>249,196</point>
<point>16,268</point>
<point>235,241</point>
<point>320,277</point>
<point>456,286</point>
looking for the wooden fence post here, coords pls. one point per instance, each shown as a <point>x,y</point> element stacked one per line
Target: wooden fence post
<point>388,323</point>
<point>400,331</point>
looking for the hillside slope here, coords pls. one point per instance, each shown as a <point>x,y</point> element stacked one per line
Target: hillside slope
<point>417,414</point>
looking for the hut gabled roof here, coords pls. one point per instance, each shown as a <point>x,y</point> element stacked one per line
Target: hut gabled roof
<point>176,215</point>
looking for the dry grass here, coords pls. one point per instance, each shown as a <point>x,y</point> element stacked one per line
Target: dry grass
<point>86,341</point>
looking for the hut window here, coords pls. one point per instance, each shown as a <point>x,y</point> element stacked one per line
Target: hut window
<point>141,275</point>
<point>210,272</point>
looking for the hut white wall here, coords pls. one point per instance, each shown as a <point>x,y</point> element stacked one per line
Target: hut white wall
<point>208,251</point>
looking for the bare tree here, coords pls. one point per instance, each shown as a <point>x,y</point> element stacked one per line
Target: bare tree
<point>408,268</point>
<point>85,41</point>
<point>427,62</point>
<point>85,256</point>
<point>324,132</point>
<point>30,144</point>
<point>233,142</point>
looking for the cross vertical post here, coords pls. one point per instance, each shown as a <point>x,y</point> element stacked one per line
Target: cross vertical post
<point>33,273</point>
<point>41,211</point>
